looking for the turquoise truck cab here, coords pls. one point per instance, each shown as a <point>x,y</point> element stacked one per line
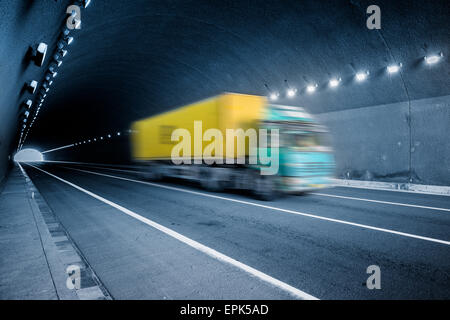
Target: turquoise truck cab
<point>306,160</point>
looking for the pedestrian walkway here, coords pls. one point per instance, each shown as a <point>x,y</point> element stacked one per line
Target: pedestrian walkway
<point>29,264</point>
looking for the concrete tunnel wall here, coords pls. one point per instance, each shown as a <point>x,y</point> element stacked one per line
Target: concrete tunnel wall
<point>399,142</point>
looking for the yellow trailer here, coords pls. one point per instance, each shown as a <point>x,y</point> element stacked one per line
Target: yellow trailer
<point>151,138</point>
<point>301,163</point>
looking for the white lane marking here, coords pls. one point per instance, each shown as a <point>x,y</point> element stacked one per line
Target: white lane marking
<point>194,244</point>
<point>380,201</point>
<point>404,234</point>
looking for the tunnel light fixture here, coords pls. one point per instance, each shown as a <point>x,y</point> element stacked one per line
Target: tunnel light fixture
<point>291,92</point>
<point>118,133</point>
<point>32,86</point>
<point>394,68</point>
<point>109,136</point>
<point>432,59</point>
<point>101,138</point>
<point>58,57</point>
<point>55,74</point>
<point>274,96</point>
<point>68,40</point>
<point>311,88</point>
<point>84,3</point>
<point>361,76</point>
<point>52,68</point>
<point>334,82</point>
<point>39,56</point>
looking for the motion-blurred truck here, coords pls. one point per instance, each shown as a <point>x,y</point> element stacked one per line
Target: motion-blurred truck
<point>304,159</point>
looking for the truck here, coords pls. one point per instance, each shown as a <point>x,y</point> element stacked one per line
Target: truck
<point>226,151</point>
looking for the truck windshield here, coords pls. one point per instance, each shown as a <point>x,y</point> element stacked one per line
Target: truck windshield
<point>305,141</point>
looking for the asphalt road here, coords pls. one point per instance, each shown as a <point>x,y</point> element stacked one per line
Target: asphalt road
<point>319,244</point>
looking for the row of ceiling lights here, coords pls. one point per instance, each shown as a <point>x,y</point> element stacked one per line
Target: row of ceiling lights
<point>359,77</point>
<point>92,140</point>
<point>39,58</point>
<point>108,136</point>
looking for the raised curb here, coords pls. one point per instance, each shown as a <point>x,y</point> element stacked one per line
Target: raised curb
<point>62,252</point>
<point>394,186</point>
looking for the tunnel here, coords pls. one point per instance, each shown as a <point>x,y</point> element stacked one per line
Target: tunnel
<point>82,80</point>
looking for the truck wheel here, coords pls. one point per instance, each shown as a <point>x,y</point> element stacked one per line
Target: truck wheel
<point>152,174</point>
<point>264,188</point>
<point>211,182</point>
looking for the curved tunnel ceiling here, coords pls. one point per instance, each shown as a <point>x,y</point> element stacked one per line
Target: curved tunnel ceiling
<point>136,58</point>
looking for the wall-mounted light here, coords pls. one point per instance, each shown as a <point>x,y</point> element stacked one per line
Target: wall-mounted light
<point>39,56</point>
<point>84,3</point>
<point>311,88</point>
<point>28,104</point>
<point>361,76</point>
<point>274,96</point>
<point>53,67</point>
<point>32,86</point>
<point>432,59</point>
<point>334,82</point>
<point>394,68</point>
<point>291,92</point>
